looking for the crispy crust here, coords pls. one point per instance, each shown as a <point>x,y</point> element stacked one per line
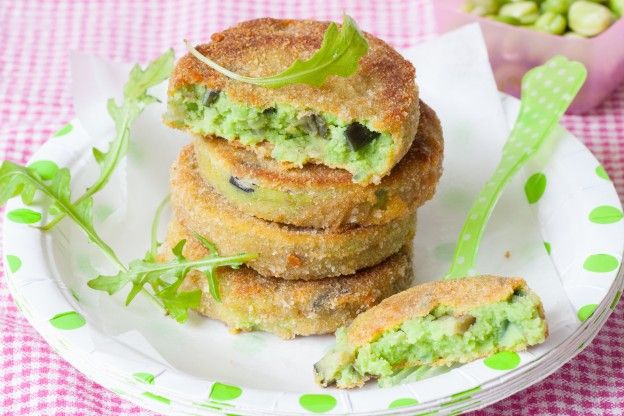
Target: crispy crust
<point>461,295</point>
<point>283,251</point>
<point>289,308</point>
<point>382,91</point>
<point>321,197</point>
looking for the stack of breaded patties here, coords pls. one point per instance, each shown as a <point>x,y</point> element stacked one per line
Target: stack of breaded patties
<point>322,183</point>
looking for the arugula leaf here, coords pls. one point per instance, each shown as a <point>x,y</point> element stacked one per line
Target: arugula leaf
<point>178,303</point>
<point>135,100</point>
<point>165,279</point>
<point>208,245</point>
<point>19,180</point>
<point>339,55</point>
<point>211,272</point>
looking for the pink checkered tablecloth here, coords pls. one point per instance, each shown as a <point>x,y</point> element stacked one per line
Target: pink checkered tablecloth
<point>36,37</point>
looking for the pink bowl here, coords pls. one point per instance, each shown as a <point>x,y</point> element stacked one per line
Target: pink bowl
<point>514,50</point>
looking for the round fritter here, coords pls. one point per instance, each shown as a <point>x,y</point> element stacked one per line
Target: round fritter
<point>382,92</point>
<point>283,251</point>
<point>288,308</point>
<point>320,197</point>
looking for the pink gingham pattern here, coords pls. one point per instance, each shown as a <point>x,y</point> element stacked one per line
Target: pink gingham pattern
<point>36,37</point>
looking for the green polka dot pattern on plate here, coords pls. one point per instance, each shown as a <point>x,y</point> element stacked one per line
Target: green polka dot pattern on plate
<point>600,263</point>
<point>24,216</point>
<point>44,168</point>
<point>68,320</point>
<point>605,214</point>
<point>602,173</point>
<point>64,130</point>
<point>405,401</point>
<point>548,247</point>
<point>504,360</point>
<point>157,397</point>
<point>616,299</point>
<point>585,312</point>
<point>146,378</point>
<point>317,403</point>
<point>224,392</point>
<point>14,263</point>
<point>535,187</point>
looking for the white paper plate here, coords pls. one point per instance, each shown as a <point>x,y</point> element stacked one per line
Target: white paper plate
<point>200,368</point>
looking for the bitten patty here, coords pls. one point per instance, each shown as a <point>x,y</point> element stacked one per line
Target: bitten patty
<point>283,251</point>
<point>288,308</point>
<point>364,123</point>
<point>320,197</point>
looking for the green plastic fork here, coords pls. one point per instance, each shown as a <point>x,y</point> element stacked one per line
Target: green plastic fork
<point>547,92</point>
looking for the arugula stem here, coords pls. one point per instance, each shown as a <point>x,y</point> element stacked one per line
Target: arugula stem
<point>151,296</point>
<point>216,262</point>
<point>155,223</point>
<point>339,54</point>
<point>263,81</point>
<point>71,211</point>
<point>102,180</point>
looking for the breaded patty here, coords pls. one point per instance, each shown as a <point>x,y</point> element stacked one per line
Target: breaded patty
<point>320,197</point>
<point>283,251</point>
<point>284,307</point>
<point>461,295</point>
<point>434,324</point>
<point>299,123</point>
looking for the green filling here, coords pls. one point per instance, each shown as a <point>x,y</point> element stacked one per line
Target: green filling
<point>422,342</point>
<point>271,199</point>
<point>297,137</point>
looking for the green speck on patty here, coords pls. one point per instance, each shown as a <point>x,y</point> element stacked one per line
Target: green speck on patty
<point>297,137</point>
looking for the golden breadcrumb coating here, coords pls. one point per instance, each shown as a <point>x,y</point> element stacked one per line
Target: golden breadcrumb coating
<point>283,251</point>
<point>289,307</point>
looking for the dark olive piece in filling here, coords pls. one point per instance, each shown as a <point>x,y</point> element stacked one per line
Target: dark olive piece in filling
<point>358,136</point>
<point>210,96</point>
<point>270,110</point>
<point>314,125</point>
<point>236,182</point>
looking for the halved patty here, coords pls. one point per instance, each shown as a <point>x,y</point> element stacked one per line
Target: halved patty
<point>284,307</point>
<point>460,295</point>
<point>364,123</point>
<point>434,324</point>
<point>320,197</point>
<point>283,251</point>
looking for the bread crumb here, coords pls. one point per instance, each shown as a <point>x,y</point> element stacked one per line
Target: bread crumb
<point>293,260</point>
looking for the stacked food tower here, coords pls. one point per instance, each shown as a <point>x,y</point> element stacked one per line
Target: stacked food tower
<point>322,181</point>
